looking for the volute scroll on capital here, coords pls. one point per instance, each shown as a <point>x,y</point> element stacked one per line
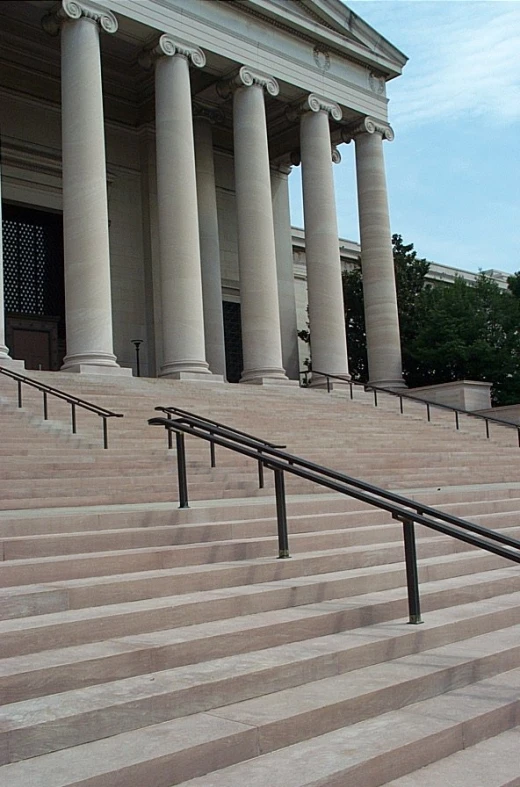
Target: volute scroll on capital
<point>72,10</point>
<point>167,46</point>
<point>315,103</point>
<point>367,126</point>
<point>247,77</point>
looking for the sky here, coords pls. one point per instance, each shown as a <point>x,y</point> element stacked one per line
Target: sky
<point>453,170</point>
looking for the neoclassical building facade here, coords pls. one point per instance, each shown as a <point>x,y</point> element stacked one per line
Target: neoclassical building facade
<point>145,153</point>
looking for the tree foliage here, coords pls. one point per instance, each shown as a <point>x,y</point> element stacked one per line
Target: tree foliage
<point>448,331</point>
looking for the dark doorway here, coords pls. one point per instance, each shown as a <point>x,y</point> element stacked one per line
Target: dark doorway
<point>233,341</point>
<point>34,290</point>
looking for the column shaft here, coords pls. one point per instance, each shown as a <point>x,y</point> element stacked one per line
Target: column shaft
<point>326,309</point>
<point>284,265</point>
<point>256,246</point>
<point>209,248</point>
<point>181,283</point>
<point>379,292</point>
<point>85,212</point>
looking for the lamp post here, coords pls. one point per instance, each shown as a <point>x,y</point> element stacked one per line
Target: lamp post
<point>137,344</point>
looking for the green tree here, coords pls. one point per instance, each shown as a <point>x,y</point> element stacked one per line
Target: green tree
<point>471,332</point>
<point>410,274</point>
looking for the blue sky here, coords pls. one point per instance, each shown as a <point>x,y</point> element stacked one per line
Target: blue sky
<point>453,169</point>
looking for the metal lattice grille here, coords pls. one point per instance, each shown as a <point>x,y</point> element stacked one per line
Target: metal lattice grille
<point>33,262</point>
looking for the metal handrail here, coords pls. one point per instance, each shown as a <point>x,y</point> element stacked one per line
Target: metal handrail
<point>457,411</point>
<point>230,430</point>
<point>74,401</point>
<point>401,508</point>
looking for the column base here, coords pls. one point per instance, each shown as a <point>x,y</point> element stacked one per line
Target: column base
<point>391,384</point>
<point>319,381</point>
<point>174,368</point>
<point>12,363</point>
<point>72,363</point>
<point>268,380</point>
<point>200,377</point>
<point>93,368</point>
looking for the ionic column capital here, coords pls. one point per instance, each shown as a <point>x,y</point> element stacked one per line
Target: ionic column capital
<point>167,46</point>
<point>315,103</point>
<point>295,157</point>
<point>211,115</point>
<point>72,10</point>
<point>367,126</point>
<point>247,77</point>
<point>336,155</point>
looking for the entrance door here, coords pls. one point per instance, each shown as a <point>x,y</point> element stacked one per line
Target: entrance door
<point>34,291</point>
<point>233,341</point>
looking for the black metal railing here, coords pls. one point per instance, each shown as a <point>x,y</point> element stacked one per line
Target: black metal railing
<point>229,429</point>
<point>405,510</point>
<point>74,401</point>
<point>402,396</point>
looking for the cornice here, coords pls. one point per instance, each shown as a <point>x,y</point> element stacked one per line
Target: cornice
<point>366,57</point>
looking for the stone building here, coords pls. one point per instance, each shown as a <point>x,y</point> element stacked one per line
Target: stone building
<point>145,152</point>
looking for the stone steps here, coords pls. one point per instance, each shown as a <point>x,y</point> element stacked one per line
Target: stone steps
<point>143,644</point>
<point>403,694</point>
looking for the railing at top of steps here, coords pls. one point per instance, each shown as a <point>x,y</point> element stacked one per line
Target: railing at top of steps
<point>170,411</point>
<point>74,401</point>
<point>403,509</point>
<point>375,389</point>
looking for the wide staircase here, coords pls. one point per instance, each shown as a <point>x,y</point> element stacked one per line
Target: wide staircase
<point>143,644</point>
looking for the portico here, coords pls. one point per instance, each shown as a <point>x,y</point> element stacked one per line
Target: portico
<point>171,133</point>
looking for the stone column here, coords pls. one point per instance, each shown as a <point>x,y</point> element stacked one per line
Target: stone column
<point>5,358</point>
<point>209,240</point>
<point>381,317</point>
<point>184,354</point>
<point>284,264</point>
<point>261,338</point>
<point>85,213</point>
<point>326,309</point>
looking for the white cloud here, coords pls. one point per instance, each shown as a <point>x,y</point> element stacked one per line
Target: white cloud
<point>464,59</point>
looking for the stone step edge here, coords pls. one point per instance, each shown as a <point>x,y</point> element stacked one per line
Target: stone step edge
<point>292,666</point>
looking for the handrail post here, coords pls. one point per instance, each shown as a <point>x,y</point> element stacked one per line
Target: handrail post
<point>20,404</point>
<point>487,428</point>
<point>73,417</point>
<point>428,411</point>
<point>412,577</point>
<point>457,418</point>
<point>105,432</point>
<point>170,440</point>
<point>375,398</point>
<point>518,433</point>
<point>260,472</point>
<point>212,453</point>
<point>181,470</point>
<point>328,384</point>
<point>45,410</point>
<point>351,390</point>
<point>281,515</point>
<point>401,404</point>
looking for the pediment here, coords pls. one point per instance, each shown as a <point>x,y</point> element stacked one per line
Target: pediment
<point>334,21</point>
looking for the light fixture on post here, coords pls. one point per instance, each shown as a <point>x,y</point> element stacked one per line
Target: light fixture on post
<point>137,344</point>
